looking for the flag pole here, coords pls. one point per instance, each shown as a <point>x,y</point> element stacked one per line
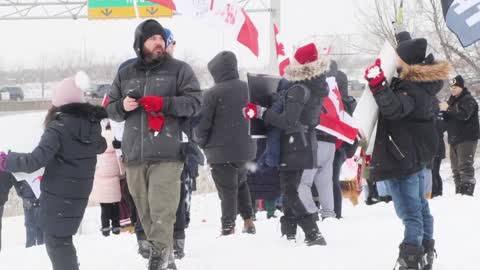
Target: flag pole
<point>135,7</point>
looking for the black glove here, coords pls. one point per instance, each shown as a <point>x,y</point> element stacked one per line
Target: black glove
<point>117,144</point>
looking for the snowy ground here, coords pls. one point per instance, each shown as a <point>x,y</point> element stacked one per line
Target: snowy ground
<point>366,239</point>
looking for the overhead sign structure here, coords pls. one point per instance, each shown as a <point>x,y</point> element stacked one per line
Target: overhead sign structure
<point>117,9</point>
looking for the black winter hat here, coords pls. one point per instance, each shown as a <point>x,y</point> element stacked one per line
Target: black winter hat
<point>151,28</point>
<point>411,51</point>
<point>458,81</point>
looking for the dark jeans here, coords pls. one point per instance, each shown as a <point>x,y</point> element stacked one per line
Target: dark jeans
<point>411,206</point>
<point>110,215</point>
<point>231,182</point>
<point>437,182</point>
<point>34,233</point>
<point>62,252</point>
<point>337,191</point>
<point>462,157</point>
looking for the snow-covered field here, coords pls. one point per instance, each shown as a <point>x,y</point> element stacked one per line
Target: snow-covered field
<point>366,239</point>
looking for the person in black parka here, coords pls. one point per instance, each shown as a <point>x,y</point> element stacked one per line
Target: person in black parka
<point>223,134</point>
<point>68,151</point>
<point>406,142</point>
<point>301,114</point>
<point>461,118</point>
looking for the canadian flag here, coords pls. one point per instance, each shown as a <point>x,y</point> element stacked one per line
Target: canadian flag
<point>334,120</point>
<point>226,14</point>
<point>282,56</point>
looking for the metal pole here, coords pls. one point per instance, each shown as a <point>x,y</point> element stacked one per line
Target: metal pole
<point>275,18</point>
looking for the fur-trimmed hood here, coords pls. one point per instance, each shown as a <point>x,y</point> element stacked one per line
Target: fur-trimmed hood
<point>85,111</point>
<point>296,72</point>
<point>82,120</point>
<point>438,71</point>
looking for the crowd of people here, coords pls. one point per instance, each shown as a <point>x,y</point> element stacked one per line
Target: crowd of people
<point>164,119</point>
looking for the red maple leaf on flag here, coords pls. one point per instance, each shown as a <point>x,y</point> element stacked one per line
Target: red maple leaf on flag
<point>166,3</point>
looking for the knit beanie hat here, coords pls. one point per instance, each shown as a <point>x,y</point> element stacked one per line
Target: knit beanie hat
<point>70,90</point>
<point>458,81</point>
<point>411,51</point>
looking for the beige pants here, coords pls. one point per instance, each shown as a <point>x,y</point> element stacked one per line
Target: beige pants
<point>155,188</point>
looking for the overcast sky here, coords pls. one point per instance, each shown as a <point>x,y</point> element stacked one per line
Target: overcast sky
<point>25,43</point>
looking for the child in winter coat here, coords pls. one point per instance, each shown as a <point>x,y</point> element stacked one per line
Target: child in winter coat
<point>106,186</point>
<point>68,150</point>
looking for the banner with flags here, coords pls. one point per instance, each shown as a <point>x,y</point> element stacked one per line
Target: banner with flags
<point>334,120</point>
<point>463,18</point>
<point>227,14</point>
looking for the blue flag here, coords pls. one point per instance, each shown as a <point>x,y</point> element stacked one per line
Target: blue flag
<point>463,18</point>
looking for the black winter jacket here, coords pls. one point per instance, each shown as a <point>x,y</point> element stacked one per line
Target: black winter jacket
<point>68,150</point>
<point>301,114</point>
<point>462,118</point>
<point>406,138</point>
<point>223,131</point>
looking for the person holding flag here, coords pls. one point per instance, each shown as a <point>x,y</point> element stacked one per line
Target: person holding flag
<point>406,141</point>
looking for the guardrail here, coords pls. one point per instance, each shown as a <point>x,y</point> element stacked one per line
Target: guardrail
<point>33,105</point>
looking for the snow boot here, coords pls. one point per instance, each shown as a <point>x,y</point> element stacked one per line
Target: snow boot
<point>105,231</point>
<point>116,230</point>
<point>385,199</point>
<point>430,254</point>
<point>467,187</point>
<point>411,257</point>
<point>179,248</point>
<point>249,226</point>
<point>313,237</point>
<point>144,248</point>
<point>158,259</point>
<point>288,227</point>
<point>228,229</point>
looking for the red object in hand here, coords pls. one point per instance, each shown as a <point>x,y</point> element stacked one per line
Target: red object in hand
<point>152,103</point>
<point>155,121</point>
<point>375,76</point>
<point>251,111</point>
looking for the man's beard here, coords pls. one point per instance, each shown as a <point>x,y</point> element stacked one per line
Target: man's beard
<point>153,56</point>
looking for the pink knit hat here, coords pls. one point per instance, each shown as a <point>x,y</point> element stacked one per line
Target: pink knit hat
<point>70,90</point>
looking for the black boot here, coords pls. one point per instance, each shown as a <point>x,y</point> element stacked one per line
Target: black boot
<point>228,228</point>
<point>313,237</point>
<point>179,248</point>
<point>430,254</point>
<point>410,257</point>
<point>158,258</point>
<point>288,227</point>
<point>144,248</point>
<point>467,187</point>
<point>105,231</point>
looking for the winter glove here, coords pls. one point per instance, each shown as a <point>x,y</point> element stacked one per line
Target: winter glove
<point>253,111</point>
<point>152,103</point>
<point>3,161</point>
<point>155,121</point>
<point>116,144</point>
<point>375,76</point>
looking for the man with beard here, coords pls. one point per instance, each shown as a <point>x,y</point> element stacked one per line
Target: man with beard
<point>155,96</point>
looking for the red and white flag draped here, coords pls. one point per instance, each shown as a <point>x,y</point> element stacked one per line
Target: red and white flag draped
<point>334,120</point>
<point>223,13</point>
